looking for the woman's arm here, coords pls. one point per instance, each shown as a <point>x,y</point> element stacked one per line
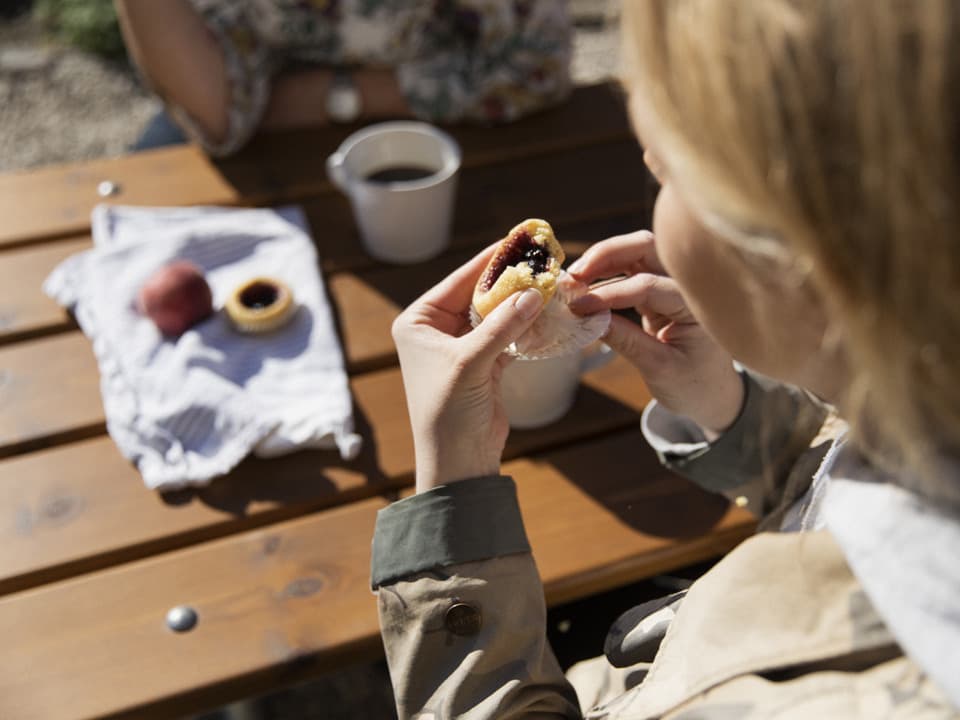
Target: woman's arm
<point>734,433</point>
<point>216,75</point>
<point>461,605</point>
<point>179,58</point>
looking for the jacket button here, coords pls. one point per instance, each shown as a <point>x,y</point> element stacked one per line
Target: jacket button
<point>463,619</point>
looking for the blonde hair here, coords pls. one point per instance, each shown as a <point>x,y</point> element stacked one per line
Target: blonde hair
<point>829,131</point>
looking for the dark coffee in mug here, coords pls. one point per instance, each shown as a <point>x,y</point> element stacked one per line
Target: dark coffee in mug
<point>400,173</point>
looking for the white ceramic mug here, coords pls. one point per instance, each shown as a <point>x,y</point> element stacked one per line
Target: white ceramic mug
<point>404,221</point>
<point>539,392</point>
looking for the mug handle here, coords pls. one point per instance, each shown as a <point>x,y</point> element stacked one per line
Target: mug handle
<point>335,171</point>
<point>596,358</point>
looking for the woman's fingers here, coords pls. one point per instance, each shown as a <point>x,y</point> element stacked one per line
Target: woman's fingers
<point>653,324</point>
<point>507,322</point>
<point>649,294</point>
<point>635,344</point>
<point>621,255</point>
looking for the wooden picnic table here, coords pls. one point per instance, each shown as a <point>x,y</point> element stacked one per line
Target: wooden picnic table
<point>274,557</point>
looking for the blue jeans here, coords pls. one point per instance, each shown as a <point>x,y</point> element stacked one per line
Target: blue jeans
<point>160,131</point>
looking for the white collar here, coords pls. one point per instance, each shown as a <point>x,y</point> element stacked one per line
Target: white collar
<point>906,554</point>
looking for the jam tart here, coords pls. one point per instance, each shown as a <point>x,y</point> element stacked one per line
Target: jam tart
<point>260,305</point>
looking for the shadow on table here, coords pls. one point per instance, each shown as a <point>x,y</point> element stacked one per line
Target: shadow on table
<point>309,479</point>
<point>594,413</point>
<point>640,491</point>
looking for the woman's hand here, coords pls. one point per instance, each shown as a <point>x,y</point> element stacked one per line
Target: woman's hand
<point>685,370</point>
<point>451,375</point>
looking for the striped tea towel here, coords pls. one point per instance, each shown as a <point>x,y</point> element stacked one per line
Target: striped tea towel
<point>188,409</point>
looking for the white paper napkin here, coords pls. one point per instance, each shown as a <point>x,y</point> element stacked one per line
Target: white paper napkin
<point>188,409</point>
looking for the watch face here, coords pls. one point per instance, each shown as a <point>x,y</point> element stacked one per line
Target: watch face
<point>343,102</point>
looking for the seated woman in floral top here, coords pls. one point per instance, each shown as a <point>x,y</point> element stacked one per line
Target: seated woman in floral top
<point>226,68</point>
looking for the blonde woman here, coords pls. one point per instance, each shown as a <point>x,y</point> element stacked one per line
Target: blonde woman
<point>809,157</point>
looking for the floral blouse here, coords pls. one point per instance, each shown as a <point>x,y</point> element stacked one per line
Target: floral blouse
<point>485,61</point>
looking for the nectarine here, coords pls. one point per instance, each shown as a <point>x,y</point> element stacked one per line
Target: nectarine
<point>176,297</point>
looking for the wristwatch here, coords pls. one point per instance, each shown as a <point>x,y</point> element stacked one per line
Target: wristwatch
<point>343,98</point>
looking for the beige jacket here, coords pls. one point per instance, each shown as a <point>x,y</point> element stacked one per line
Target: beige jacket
<point>780,628</point>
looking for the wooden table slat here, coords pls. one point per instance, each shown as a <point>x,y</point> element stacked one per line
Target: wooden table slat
<point>50,390</point>
<point>56,201</point>
<point>282,603</point>
<point>294,587</point>
<point>25,310</point>
<point>82,506</point>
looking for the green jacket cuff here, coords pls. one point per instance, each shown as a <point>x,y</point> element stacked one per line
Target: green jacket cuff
<point>725,467</point>
<point>775,425</point>
<point>465,521</point>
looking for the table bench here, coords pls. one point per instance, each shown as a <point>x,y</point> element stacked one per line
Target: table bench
<point>275,556</point>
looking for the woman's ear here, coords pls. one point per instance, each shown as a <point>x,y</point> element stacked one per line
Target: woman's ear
<point>653,165</point>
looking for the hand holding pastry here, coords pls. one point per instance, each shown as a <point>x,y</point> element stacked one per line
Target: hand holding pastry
<point>451,375</point>
<point>685,370</point>
<point>530,257</point>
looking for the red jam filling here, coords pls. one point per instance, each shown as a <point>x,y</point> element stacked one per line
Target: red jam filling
<point>259,295</point>
<point>519,248</point>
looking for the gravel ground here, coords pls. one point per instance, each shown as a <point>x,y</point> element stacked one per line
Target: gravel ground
<point>61,105</point>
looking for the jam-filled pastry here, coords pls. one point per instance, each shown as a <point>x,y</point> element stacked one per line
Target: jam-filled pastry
<point>528,257</point>
<point>260,305</point>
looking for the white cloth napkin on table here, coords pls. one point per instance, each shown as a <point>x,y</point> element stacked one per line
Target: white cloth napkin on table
<point>189,409</point>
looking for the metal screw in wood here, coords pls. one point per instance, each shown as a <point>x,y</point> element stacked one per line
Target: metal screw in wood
<point>182,618</point>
